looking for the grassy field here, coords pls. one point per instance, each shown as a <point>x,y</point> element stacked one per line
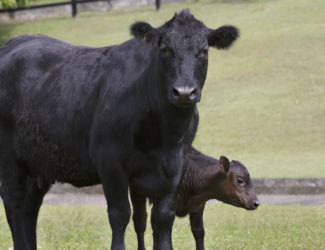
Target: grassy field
<point>270,227</point>
<point>263,102</point>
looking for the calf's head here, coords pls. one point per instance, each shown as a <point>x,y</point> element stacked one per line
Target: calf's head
<point>234,185</point>
<point>182,46</point>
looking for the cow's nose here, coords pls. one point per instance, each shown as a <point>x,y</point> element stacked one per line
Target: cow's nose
<point>185,95</point>
<point>256,204</point>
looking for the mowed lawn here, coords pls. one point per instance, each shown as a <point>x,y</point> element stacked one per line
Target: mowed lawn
<point>269,227</point>
<point>264,99</point>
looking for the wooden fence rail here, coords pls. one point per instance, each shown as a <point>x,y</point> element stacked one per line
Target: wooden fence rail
<point>73,3</point>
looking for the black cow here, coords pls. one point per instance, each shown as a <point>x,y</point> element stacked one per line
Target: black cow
<point>85,115</point>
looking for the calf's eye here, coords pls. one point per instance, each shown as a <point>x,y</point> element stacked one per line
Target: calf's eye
<point>240,181</point>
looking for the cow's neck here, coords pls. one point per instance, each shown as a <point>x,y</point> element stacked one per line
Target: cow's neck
<point>174,121</point>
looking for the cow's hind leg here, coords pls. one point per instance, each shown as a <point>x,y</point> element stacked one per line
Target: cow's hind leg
<point>22,209</point>
<point>28,213</point>
<point>8,216</point>
<point>21,196</point>
<point>139,217</point>
<point>11,178</point>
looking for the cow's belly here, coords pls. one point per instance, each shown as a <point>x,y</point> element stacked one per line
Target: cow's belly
<point>53,163</point>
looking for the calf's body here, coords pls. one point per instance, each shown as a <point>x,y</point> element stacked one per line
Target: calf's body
<point>205,178</point>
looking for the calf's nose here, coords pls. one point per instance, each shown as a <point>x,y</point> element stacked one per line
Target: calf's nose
<point>185,95</point>
<point>256,204</point>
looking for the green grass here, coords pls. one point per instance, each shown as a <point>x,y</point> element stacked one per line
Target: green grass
<point>263,102</point>
<point>39,2</point>
<point>270,227</point>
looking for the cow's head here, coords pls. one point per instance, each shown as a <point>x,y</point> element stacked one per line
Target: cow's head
<point>183,44</point>
<point>234,185</point>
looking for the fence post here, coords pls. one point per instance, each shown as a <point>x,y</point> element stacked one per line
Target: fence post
<point>157,4</point>
<point>74,8</point>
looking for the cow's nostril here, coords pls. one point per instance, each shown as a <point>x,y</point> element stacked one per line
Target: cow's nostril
<point>193,94</point>
<point>256,204</point>
<point>175,92</point>
<point>184,95</point>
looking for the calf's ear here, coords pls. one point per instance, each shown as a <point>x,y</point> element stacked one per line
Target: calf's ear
<point>223,37</point>
<point>144,32</point>
<point>224,163</point>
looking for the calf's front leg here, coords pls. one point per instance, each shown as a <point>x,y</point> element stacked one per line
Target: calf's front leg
<point>196,220</point>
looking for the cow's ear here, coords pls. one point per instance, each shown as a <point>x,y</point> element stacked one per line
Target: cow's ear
<point>223,37</point>
<point>144,32</point>
<point>224,163</point>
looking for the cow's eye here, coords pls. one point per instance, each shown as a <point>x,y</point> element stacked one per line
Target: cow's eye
<point>240,181</point>
<point>204,52</point>
<point>164,49</point>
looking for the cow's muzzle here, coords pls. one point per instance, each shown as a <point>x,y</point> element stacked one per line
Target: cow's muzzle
<point>184,96</point>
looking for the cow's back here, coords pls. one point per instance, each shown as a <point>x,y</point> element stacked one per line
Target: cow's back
<point>39,68</point>
<point>35,68</point>
<point>48,81</point>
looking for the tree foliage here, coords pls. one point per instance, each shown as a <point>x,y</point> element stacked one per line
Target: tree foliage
<point>11,4</point>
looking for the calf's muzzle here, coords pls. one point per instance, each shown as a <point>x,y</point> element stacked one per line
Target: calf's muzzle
<point>256,204</point>
<point>252,205</point>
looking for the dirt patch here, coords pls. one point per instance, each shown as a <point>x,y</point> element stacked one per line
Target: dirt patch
<point>99,199</point>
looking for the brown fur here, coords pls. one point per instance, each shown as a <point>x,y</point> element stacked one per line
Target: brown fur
<point>205,178</point>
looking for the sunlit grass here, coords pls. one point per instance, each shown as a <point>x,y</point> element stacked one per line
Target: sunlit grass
<point>269,227</point>
<point>263,101</point>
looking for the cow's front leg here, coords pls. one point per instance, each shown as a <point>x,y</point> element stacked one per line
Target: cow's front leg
<point>163,210</point>
<point>114,177</point>
<point>162,220</point>
<point>139,216</point>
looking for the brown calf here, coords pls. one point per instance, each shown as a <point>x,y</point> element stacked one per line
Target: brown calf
<point>205,178</point>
